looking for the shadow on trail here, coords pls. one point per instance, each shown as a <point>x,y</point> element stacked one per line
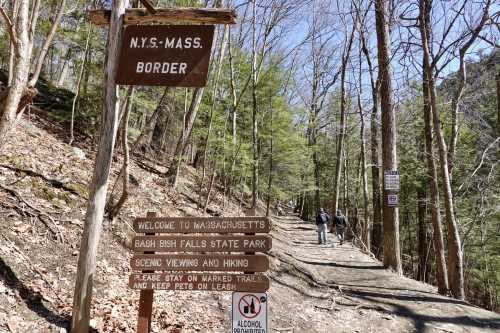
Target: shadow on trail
<point>362,286</point>
<point>334,264</point>
<point>397,296</point>
<point>31,298</point>
<point>420,320</point>
<point>294,287</point>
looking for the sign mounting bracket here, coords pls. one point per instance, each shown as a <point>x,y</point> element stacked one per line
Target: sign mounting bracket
<point>151,9</point>
<point>173,15</point>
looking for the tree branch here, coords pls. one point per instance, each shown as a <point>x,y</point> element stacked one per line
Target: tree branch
<point>10,30</point>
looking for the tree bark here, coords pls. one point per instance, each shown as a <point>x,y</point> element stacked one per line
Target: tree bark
<point>77,89</point>
<point>46,44</point>
<point>160,127</point>
<point>234,99</point>
<point>498,106</point>
<point>437,238</point>
<point>374,150</point>
<point>99,185</point>
<point>366,232</point>
<point>189,119</point>
<point>271,159</point>
<point>255,130</point>
<point>455,258</point>
<point>215,90</point>
<point>9,105</point>
<point>392,252</point>
<point>187,128</point>
<point>151,122</point>
<point>14,51</point>
<point>422,234</point>
<point>342,125</point>
<point>124,173</point>
<point>65,68</point>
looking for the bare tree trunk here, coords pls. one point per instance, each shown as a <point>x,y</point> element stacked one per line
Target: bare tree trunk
<point>498,106</point>
<point>422,234</point>
<point>190,117</point>
<point>392,252</point>
<point>156,139</point>
<point>210,186</point>
<point>99,185</point>
<point>345,189</point>
<point>342,125</point>
<point>46,44</point>
<point>366,218</point>
<point>441,271</point>
<point>366,226</point>
<point>14,9</point>
<point>455,255</point>
<point>124,173</point>
<point>222,52</point>
<point>271,160</point>
<point>77,89</point>
<point>65,68</point>
<point>11,100</point>
<point>455,258</point>
<point>232,82</point>
<point>189,120</point>
<point>255,130</point>
<point>150,123</point>
<point>313,116</point>
<point>374,147</point>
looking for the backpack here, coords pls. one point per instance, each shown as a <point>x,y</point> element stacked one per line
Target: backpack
<point>322,218</point>
<point>340,221</point>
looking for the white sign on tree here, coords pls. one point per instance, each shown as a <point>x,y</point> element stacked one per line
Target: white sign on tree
<point>391,180</point>
<point>249,312</point>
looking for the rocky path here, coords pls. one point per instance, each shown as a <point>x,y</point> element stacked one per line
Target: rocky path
<point>337,288</point>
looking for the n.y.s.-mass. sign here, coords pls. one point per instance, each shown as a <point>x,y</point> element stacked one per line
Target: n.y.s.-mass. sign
<point>165,55</point>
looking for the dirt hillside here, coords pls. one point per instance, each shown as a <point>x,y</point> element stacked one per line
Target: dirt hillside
<point>314,288</point>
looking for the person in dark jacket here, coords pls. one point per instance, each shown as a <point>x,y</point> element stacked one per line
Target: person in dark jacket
<point>340,225</point>
<point>322,220</point>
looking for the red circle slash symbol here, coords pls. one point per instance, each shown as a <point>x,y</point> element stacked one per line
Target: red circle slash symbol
<point>249,306</point>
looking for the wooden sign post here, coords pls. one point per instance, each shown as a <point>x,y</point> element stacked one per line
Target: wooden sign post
<point>220,244</point>
<point>156,50</point>
<point>146,299</point>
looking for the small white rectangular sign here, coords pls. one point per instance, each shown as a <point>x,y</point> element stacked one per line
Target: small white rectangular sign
<point>249,312</point>
<point>391,180</point>
<point>392,200</point>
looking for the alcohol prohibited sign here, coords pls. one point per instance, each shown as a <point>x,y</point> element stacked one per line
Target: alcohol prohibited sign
<point>249,313</point>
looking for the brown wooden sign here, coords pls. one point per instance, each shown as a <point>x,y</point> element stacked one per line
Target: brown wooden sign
<point>246,224</point>
<point>165,55</point>
<point>202,243</point>
<point>201,262</point>
<point>194,281</point>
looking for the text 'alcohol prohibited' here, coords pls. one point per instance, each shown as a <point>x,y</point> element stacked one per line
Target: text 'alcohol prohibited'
<point>249,312</point>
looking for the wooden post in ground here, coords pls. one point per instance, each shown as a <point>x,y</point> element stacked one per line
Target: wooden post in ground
<point>97,199</point>
<point>146,300</point>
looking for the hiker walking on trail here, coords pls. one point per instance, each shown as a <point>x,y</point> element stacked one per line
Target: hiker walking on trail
<point>340,225</point>
<point>322,220</point>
